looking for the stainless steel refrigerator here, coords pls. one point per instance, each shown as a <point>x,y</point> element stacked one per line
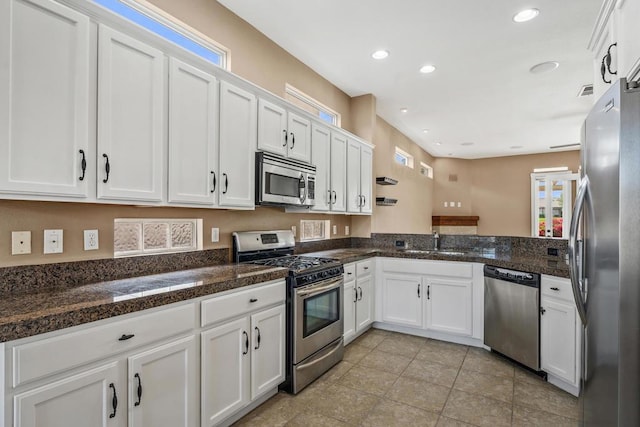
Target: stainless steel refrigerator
<point>604,251</point>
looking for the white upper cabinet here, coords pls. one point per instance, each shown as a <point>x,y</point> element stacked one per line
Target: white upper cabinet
<point>338,186</point>
<point>321,158</point>
<point>629,38</point>
<point>299,144</point>
<point>131,118</point>
<point>359,177</point>
<point>238,124</point>
<point>193,144</point>
<point>44,100</point>
<point>283,132</point>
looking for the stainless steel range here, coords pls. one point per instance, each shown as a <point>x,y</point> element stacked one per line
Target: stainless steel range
<point>314,303</point>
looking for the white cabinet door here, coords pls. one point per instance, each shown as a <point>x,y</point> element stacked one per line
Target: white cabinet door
<point>225,367</point>
<point>558,339</point>
<point>272,127</point>
<point>131,122</point>
<point>267,356</point>
<point>349,308</point>
<point>163,387</point>
<point>238,124</point>
<point>402,299</point>
<point>364,307</point>
<point>193,145</point>
<point>44,99</point>
<point>299,147</point>
<point>321,158</point>
<point>366,178</point>
<point>95,398</point>
<point>354,197</point>
<point>628,37</point>
<point>448,306</point>
<point>338,172</point>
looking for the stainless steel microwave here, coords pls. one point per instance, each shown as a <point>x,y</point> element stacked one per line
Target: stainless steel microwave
<point>284,182</point>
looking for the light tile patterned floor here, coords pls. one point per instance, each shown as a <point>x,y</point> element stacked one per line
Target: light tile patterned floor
<point>389,379</point>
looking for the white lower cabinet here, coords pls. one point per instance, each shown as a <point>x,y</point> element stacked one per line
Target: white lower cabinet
<point>448,305</point>
<point>91,398</point>
<point>401,299</point>
<point>163,385</point>
<point>560,333</point>
<point>438,297</point>
<point>358,298</point>
<point>242,358</point>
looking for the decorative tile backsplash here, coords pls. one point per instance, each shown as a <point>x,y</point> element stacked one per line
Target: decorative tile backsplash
<point>143,236</point>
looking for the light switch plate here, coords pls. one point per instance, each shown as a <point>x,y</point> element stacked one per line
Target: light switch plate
<point>90,240</point>
<point>215,235</point>
<point>346,230</point>
<point>20,242</point>
<point>446,204</point>
<point>335,229</point>
<point>52,241</point>
<point>294,230</point>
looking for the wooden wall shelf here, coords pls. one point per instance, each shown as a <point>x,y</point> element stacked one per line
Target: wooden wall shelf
<point>456,220</point>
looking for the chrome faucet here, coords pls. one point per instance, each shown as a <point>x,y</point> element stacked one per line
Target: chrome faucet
<point>436,241</point>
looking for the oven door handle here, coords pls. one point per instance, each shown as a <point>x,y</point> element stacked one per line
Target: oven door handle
<point>319,288</point>
<point>335,348</point>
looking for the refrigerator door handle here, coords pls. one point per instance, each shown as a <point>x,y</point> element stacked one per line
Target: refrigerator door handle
<point>574,273</point>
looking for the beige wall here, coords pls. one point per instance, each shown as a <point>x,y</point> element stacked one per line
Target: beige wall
<point>254,56</point>
<point>412,213</point>
<point>73,218</point>
<point>498,189</point>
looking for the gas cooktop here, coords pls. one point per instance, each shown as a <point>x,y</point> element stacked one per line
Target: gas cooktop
<point>296,263</point>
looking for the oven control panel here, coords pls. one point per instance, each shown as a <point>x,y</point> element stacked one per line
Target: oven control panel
<point>318,276</point>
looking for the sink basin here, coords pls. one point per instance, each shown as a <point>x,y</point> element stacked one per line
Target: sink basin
<point>428,252</point>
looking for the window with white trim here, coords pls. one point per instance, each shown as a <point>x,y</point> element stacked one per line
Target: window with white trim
<point>307,103</point>
<point>426,170</point>
<point>551,203</point>
<point>149,17</point>
<point>403,158</point>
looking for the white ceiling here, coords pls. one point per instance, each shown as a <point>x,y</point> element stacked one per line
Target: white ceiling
<point>482,91</point>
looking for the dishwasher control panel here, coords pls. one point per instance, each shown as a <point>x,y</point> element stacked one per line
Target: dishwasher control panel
<point>519,277</point>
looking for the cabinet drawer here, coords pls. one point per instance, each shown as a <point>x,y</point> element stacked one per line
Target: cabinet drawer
<point>350,272</point>
<point>557,287</point>
<point>236,303</point>
<point>63,352</point>
<point>364,268</point>
<point>428,267</point>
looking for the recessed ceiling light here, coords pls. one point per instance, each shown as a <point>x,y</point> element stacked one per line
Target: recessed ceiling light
<point>380,54</point>
<point>466,144</point>
<point>426,69</point>
<point>425,130</point>
<point>544,67</point>
<point>526,15</point>
<point>450,154</point>
<point>515,147</point>
<point>404,110</point>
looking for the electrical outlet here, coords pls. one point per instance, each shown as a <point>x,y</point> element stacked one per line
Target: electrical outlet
<point>346,230</point>
<point>452,204</point>
<point>53,241</point>
<point>335,229</point>
<point>90,240</point>
<point>459,204</point>
<point>294,230</point>
<point>20,242</point>
<point>446,205</point>
<point>215,235</point>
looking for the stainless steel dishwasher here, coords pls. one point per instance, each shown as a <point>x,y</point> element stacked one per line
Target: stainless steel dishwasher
<point>511,314</point>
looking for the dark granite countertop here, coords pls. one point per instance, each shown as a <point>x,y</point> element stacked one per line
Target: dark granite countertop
<point>24,314</point>
<point>542,265</point>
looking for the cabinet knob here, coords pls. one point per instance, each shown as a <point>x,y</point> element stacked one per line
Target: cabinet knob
<point>555,289</point>
<point>542,310</point>
<point>126,337</point>
<point>253,300</point>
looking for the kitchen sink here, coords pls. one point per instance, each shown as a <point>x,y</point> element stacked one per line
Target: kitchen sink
<point>432,252</point>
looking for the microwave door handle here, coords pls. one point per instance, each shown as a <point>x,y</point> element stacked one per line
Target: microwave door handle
<point>303,188</point>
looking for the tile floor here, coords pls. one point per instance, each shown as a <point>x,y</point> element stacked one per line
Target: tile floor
<point>390,379</point>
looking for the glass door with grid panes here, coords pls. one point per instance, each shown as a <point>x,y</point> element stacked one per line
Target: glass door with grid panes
<point>551,200</point>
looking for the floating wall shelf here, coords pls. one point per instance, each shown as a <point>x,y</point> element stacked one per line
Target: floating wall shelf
<point>385,180</point>
<point>385,201</point>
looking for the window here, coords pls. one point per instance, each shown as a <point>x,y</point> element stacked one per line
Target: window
<point>169,28</point>
<point>144,236</point>
<point>551,202</point>
<point>426,170</point>
<point>404,158</point>
<point>307,103</point>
